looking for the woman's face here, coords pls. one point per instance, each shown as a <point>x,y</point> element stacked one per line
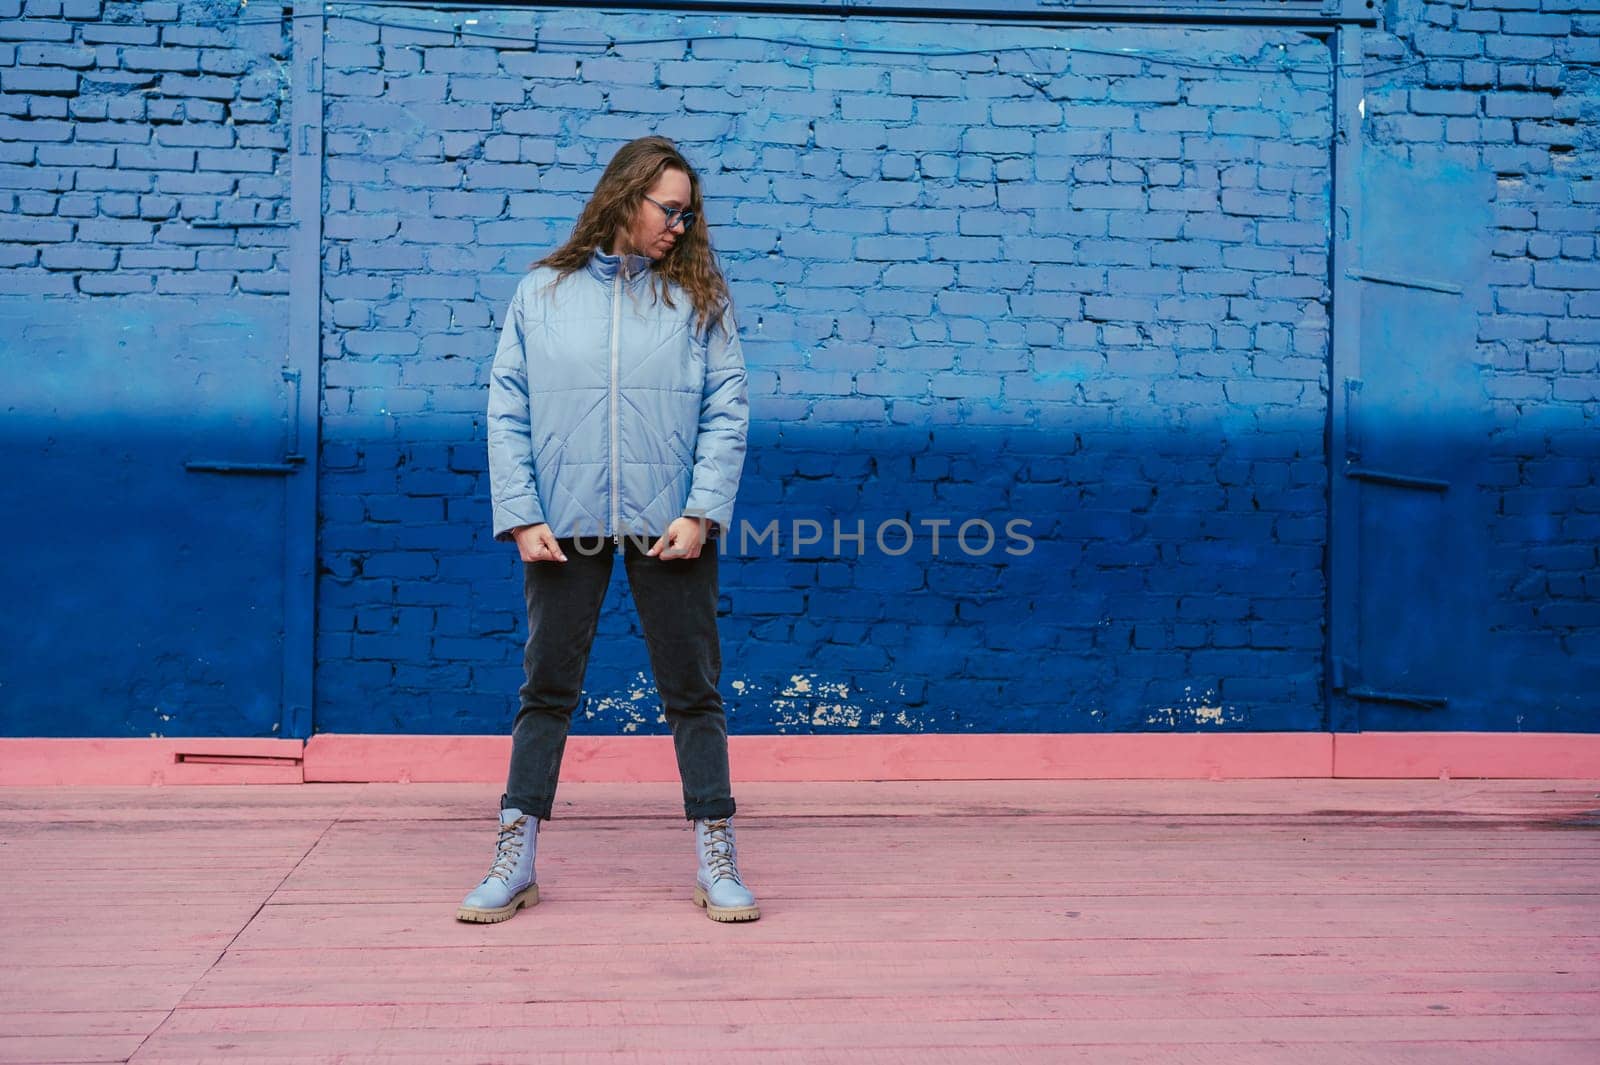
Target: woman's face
<point>649,235</point>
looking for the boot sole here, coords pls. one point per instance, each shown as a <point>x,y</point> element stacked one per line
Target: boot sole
<point>528,897</point>
<point>724,913</point>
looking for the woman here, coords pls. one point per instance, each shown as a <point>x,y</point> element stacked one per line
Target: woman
<point>617,422</point>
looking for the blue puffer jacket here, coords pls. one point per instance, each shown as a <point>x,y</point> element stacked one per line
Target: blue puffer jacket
<point>609,413</point>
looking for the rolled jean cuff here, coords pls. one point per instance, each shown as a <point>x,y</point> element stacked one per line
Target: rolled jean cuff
<point>710,811</point>
<point>542,809</point>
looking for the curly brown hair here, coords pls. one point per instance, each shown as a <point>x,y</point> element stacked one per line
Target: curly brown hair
<point>631,173</point>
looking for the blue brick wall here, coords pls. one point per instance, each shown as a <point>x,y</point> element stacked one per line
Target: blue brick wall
<point>124,131</point>
<point>1084,289</point>
<point>1074,288</point>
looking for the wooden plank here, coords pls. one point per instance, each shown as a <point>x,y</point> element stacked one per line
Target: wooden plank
<point>84,955</point>
<point>725,967</point>
<point>125,986</point>
<point>84,1035</point>
<point>79,1022</point>
<point>617,1048</point>
<point>639,921</point>
<point>30,1049</point>
<point>736,1030</point>
<point>579,884</point>
<point>969,1005</point>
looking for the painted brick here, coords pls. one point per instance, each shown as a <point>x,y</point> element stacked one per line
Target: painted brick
<point>933,260</point>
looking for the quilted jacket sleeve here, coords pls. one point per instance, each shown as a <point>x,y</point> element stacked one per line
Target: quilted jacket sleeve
<point>724,425</point>
<point>511,481</point>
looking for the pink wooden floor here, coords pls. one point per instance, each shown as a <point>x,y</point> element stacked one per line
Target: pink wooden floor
<point>1238,922</point>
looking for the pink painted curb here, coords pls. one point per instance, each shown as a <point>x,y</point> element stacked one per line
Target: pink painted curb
<point>330,758</point>
<point>42,763</point>
<point>1541,755</point>
<point>790,758</point>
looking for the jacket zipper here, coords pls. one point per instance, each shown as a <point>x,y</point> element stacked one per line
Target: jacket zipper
<point>616,324</point>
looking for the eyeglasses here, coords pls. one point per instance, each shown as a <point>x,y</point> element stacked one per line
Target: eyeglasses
<point>676,215</point>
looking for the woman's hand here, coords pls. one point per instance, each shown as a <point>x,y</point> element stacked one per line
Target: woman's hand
<point>535,544</point>
<point>683,539</point>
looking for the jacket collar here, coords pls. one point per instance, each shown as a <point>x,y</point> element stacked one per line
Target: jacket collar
<point>604,267</point>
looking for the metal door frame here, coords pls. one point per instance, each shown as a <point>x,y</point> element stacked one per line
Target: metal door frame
<point>1344,366</point>
<point>303,364</point>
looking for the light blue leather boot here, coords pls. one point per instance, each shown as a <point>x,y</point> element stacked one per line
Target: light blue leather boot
<point>718,886</point>
<point>510,883</point>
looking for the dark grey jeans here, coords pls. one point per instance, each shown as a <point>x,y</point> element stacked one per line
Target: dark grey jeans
<point>676,600</point>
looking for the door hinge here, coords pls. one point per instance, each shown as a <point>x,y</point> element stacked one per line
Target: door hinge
<point>1405,282</point>
<point>1399,480</point>
<point>1345,679</point>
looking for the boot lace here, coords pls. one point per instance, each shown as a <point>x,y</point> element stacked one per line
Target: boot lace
<point>507,850</point>
<point>719,852</point>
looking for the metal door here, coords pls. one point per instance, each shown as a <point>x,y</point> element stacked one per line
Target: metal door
<point>1410,620</point>
<point>147,444</point>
